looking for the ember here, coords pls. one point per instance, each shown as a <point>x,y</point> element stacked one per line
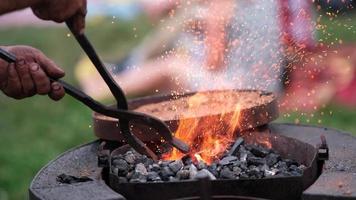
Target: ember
<point>246,162</point>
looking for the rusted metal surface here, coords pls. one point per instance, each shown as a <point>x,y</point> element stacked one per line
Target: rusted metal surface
<point>108,128</point>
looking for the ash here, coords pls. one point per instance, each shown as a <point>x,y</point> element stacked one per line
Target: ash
<point>241,162</point>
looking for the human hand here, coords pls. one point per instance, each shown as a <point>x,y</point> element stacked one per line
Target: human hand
<point>30,74</point>
<point>63,10</point>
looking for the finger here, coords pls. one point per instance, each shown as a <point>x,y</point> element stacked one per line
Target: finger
<point>78,23</point>
<point>51,69</point>
<point>57,91</point>
<point>13,86</point>
<point>42,82</point>
<point>22,69</point>
<point>41,12</point>
<point>3,72</point>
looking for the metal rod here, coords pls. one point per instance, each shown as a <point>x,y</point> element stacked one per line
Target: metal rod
<point>8,57</point>
<point>99,65</point>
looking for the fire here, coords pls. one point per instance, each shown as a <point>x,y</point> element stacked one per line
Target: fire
<point>210,136</point>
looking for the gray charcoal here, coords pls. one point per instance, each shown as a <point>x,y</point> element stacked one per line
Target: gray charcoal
<point>290,162</point>
<point>201,165</point>
<point>165,173</point>
<point>295,169</point>
<point>213,168</point>
<point>172,179</point>
<point>192,171</point>
<point>129,175</point>
<point>243,156</point>
<point>138,178</point>
<point>176,166</point>
<point>272,159</point>
<point>244,175</point>
<point>204,173</point>
<point>164,163</point>
<point>121,167</point>
<point>130,157</point>
<point>235,147</point>
<point>270,172</point>
<point>281,165</point>
<point>258,151</point>
<point>226,173</point>
<point>227,160</point>
<point>154,167</point>
<point>183,174</point>
<point>255,172</point>
<point>236,170</point>
<point>141,169</point>
<point>153,176</point>
<point>187,160</point>
<point>252,160</point>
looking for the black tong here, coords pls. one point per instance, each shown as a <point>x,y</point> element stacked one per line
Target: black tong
<point>121,112</point>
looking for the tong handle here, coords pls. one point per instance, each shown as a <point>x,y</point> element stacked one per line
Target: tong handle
<point>95,59</point>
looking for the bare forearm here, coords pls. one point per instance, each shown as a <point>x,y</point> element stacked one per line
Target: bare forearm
<point>12,5</point>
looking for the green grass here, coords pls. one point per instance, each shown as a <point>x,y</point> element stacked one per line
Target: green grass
<point>36,130</point>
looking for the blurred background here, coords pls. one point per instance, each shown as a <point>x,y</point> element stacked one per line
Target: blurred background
<point>36,130</point>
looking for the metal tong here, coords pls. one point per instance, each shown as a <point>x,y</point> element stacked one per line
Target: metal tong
<point>121,112</point>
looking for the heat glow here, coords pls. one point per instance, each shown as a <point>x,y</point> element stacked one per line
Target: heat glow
<point>208,137</point>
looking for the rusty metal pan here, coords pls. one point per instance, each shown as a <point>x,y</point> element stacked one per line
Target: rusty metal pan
<point>250,117</point>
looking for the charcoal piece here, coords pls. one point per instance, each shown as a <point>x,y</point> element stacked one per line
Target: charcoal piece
<point>165,173</point>
<point>272,159</point>
<point>243,156</point>
<point>270,172</point>
<point>290,162</point>
<point>130,157</point>
<point>187,160</point>
<point>226,173</point>
<point>244,175</point>
<point>141,169</point>
<point>154,167</point>
<point>252,160</point>
<point>176,166</point>
<point>236,170</point>
<point>295,169</point>
<point>122,180</point>
<point>187,167</point>
<point>235,147</point>
<point>164,163</point>
<point>192,171</point>
<point>183,174</point>
<point>213,168</point>
<point>201,165</point>
<point>129,175</point>
<point>68,179</point>
<point>258,151</point>
<point>173,179</point>
<point>142,179</point>
<point>236,163</point>
<point>281,165</point>
<point>203,174</point>
<point>120,167</point>
<point>153,176</point>
<point>255,172</point>
<point>227,160</point>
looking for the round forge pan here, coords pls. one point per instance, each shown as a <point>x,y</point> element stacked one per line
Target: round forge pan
<point>257,108</point>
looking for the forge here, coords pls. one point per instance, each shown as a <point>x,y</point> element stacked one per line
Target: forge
<point>273,160</point>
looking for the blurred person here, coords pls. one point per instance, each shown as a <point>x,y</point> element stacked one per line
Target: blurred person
<point>31,73</point>
<point>204,45</point>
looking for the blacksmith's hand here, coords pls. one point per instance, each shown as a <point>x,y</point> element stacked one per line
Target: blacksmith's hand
<point>30,74</point>
<point>63,10</point>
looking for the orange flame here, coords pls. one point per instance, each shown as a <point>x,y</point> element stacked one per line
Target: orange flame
<point>208,136</point>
